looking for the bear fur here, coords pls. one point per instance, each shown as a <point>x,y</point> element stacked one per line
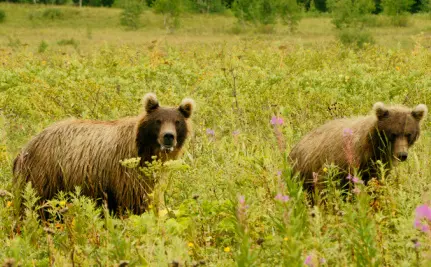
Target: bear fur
<point>385,135</point>
<point>87,153</point>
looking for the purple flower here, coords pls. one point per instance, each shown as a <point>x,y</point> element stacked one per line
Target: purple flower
<point>235,133</point>
<point>416,244</point>
<point>349,177</point>
<point>281,198</point>
<point>277,120</point>
<point>347,132</point>
<point>308,261</point>
<point>423,211</point>
<point>210,132</point>
<point>241,199</point>
<point>322,261</point>
<point>279,173</point>
<point>356,180</point>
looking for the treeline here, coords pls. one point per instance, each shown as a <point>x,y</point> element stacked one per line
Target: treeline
<point>218,6</point>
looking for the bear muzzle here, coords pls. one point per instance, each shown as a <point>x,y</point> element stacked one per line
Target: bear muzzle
<point>401,148</point>
<point>168,142</point>
<point>402,156</point>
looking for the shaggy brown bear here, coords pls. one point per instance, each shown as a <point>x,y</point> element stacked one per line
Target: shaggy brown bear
<point>359,142</point>
<point>87,153</point>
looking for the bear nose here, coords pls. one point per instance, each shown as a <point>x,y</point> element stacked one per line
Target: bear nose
<point>168,139</point>
<point>402,156</point>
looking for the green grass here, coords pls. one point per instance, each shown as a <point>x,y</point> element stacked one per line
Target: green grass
<point>306,78</point>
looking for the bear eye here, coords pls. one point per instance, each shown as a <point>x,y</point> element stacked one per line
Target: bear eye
<point>392,137</point>
<point>159,121</point>
<point>177,122</point>
<point>408,136</point>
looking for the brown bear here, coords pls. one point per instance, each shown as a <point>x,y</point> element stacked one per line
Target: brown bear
<point>360,142</point>
<point>87,153</point>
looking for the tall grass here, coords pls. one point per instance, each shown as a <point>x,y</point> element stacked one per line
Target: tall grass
<point>233,200</point>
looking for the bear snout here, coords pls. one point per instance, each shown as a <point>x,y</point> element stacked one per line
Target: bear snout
<point>168,139</point>
<point>402,156</point>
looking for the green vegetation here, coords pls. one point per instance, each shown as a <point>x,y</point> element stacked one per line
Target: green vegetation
<point>130,17</point>
<point>2,15</point>
<point>230,200</point>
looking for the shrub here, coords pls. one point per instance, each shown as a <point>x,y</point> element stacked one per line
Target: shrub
<point>42,47</point>
<point>2,15</point>
<point>400,20</point>
<point>71,42</point>
<point>356,37</point>
<point>171,10</point>
<point>53,13</point>
<point>131,15</point>
<point>347,13</point>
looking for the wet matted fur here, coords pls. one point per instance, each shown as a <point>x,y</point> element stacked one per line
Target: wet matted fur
<point>384,135</point>
<point>87,153</point>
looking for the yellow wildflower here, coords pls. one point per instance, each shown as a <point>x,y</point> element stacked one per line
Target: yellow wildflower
<point>9,204</point>
<point>325,169</point>
<point>286,238</point>
<point>190,244</point>
<point>397,68</point>
<point>227,249</point>
<point>62,203</point>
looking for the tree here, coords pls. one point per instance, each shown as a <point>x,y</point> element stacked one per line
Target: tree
<point>397,7</point>
<point>350,13</point>
<point>207,6</point>
<point>171,10</point>
<point>290,13</point>
<point>267,11</point>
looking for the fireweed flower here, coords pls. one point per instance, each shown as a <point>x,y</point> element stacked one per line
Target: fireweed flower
<point>423,218</point>
<point>277,120</point>
<point>349,177</point>
<point>281,198</point>
<point>356,180</point>
<point>309,261</point>
<point>210,132</point>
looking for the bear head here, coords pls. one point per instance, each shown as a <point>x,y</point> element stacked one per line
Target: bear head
<point>163,130</point>
<point>399,127</point>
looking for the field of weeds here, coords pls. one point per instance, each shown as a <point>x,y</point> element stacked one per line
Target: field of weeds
<point>230,200</point>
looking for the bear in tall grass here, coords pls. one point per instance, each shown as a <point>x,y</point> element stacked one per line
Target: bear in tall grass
<point>358,143</point>
<point>87,153</point>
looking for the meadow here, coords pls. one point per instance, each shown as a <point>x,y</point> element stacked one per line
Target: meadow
<point>231,199</point>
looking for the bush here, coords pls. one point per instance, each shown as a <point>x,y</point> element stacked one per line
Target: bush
<point>347,13</point>
<point>53,13</point>
<point>131,15</point>
<point>71,42</point>
<point>171,10</point>
<point>42,47</point>
<point>2,15</point>
<point>400,20</point>
<point>356,37</point>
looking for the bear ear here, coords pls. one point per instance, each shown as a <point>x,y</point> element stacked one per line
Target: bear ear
<point>150,102</point>
<point>186,107</point>
<point>420,112</point>
<point>381,111</point>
